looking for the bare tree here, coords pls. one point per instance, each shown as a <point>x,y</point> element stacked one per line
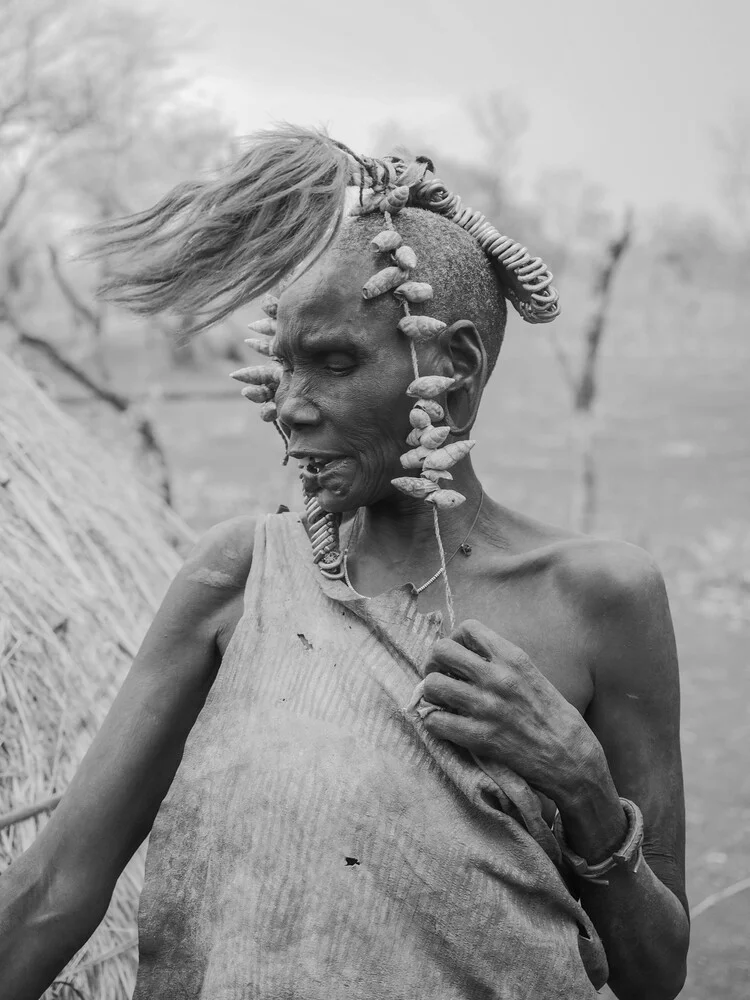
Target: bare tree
<point>41,104</point>
<point>94,122</point>
<point>582,378</point>
<point>147,135</point>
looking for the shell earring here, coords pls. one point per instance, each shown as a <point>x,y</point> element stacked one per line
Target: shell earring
<point>429,449</point>
<point>263,380</point>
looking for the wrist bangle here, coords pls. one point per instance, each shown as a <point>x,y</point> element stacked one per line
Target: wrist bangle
<point>627,856</point>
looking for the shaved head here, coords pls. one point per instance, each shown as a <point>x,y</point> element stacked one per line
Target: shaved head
<point>463,279</point>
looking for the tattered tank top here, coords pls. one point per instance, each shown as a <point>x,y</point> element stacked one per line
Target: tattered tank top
<point>318,844</point>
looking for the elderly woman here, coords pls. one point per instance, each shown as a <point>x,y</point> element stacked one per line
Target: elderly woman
<point>350,795</point>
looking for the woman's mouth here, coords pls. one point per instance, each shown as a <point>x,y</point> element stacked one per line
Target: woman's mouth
<point>317,464</point>
<point>334,473</point>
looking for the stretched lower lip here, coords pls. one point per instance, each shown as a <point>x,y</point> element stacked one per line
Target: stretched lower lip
<point>335,476</point>
<point>329,466</point>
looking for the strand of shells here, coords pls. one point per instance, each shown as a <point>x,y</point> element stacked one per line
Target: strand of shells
<point>260,385</point>
<point>262,381</point>
<point>429,452</point>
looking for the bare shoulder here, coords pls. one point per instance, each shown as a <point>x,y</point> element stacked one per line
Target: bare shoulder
<point>597,575</point>
<point>606,576</point>
<point>222,557</point>
<point>610,594</point>
<point>616,594</point>
<point>205,596</point>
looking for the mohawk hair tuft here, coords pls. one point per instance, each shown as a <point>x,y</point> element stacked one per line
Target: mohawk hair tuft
<point>210,246</point>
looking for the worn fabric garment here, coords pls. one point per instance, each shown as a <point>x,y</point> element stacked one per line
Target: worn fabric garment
<point>318,844</point>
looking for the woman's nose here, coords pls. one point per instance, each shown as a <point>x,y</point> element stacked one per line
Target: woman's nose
<point>294,406</point>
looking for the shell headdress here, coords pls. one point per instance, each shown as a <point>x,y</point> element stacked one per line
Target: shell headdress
<point>387,186</point>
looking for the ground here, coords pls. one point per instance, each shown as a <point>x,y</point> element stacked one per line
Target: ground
<point>674,461</point>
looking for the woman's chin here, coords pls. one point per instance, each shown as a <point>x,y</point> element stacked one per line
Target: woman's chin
<point>335,501</point>
<point>342,500</point>
<point>341,497</point>
<point>335,493</point>
<point>343,489</point>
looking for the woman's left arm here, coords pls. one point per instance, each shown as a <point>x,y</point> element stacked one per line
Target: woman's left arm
<point>642,918</point>
<point>627,745</point>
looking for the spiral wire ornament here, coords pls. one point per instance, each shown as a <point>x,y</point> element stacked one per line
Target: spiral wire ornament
<point>527,279</point>
<point>323,527</point>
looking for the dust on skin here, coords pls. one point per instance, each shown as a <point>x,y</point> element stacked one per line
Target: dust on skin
<point>199,572</point>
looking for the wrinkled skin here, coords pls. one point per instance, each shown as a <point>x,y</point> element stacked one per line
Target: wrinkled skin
<point>346,369</point>
<point>562,665</point>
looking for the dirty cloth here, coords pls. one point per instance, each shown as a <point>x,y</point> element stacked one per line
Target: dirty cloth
<point>318,844</point>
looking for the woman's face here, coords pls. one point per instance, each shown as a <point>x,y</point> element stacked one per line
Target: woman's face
<point>342,399</point>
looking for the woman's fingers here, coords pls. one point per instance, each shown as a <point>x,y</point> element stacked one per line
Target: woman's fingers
<point>460,729</point>
<point>451,658</point>
<point>454,695</point>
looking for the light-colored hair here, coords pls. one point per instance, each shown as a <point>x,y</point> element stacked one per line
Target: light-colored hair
<point>210,246</point>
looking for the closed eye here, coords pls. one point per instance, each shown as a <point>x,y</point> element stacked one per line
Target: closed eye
<point>336,362</point>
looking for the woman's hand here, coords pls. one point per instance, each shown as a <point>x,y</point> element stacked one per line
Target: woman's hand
<point>497,704</point>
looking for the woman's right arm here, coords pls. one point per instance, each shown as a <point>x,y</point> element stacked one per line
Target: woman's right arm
<point>53,897</point>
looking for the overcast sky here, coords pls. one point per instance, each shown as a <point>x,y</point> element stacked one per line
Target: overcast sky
<point>628,90</point>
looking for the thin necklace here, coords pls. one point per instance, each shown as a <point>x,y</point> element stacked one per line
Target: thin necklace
<point>463,547</point>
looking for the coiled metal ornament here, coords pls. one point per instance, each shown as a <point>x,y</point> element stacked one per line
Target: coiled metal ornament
<point>323,527</point>
<point>527,279</point>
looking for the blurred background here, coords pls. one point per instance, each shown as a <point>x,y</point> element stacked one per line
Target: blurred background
<point>612,139</point>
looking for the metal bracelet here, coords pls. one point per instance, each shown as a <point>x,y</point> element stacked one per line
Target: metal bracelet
<point>628,855</point>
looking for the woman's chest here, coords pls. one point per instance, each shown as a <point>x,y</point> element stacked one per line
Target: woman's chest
<point>532,615</point>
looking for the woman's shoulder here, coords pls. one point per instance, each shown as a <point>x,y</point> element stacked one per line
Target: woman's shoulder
<point>596,573</point>
<point>223,555</point>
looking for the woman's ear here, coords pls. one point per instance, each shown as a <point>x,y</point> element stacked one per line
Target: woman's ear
<point>462,344</point>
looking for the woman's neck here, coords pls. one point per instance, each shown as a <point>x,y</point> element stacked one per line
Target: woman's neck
<point>393,542</point>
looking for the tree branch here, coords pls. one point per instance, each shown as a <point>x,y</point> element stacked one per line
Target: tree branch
<point>586,384</point>
<point>718,897</point>
<point>12,204</point>
<point>143,425</point>
<point>145,428</point>
<point>106,395</point>
<point>8,110</point>
<point>85,312</point>
<point>563,358</point>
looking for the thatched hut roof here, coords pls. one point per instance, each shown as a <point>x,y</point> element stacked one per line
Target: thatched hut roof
<point>86,553</point>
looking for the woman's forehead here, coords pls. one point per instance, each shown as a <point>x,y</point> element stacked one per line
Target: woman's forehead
<point>329,296</point>
<point>334,280</point>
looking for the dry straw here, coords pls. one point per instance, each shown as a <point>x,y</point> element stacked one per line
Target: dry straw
<point>86,553</point>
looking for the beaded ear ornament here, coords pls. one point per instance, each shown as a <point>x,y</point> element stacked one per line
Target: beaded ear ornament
<point>387,186</point>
